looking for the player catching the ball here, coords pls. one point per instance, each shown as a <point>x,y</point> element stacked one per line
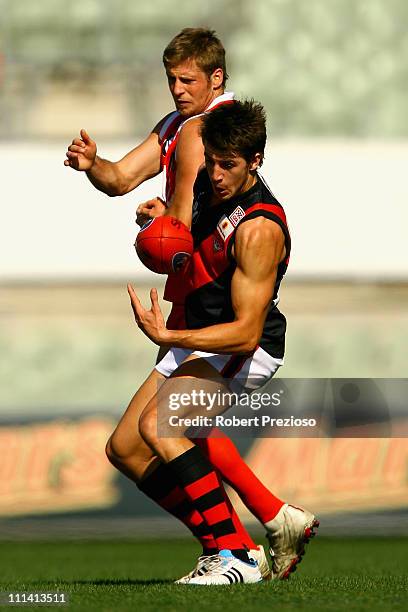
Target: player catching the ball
<point>234,328</point>
<point>195,66</point>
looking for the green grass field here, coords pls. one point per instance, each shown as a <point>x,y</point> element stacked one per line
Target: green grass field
<point>336,574</point>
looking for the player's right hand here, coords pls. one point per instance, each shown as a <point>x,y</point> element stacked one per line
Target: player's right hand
<point>149,210</point>
<point>81,152</point>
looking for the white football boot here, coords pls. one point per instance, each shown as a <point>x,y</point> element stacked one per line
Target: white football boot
<point>205,562</point>
<point>287,534</point>
<point>228,570</point>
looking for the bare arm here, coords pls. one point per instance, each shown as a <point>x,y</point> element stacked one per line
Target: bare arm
<point>190,156</point>
<point>116,178</point>
<point>259,247</point>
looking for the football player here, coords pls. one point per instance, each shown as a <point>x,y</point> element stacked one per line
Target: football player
<point>195,67</point>
<point>234,331</point>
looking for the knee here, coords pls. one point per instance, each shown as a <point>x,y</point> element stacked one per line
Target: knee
<point>120,452</point>
<point>148,429</point>
<point>110,451</point>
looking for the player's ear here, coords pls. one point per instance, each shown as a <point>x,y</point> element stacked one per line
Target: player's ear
<point>217,78</point>
<point>256,162</point>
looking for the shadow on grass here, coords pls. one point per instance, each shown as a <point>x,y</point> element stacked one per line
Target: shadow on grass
<point>102,582</point>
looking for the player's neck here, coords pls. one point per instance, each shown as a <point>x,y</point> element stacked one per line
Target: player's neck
<point>216,93</point>
<point>250,182</point>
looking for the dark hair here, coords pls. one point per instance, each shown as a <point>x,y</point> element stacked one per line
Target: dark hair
<point>236,127</point>
<point>199,44</point>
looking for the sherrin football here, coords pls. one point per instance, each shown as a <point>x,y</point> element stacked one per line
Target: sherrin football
<point>164,244</point>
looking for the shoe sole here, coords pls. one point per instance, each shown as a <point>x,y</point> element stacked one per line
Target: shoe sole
<point>224,584</point>
<point>309,533</point>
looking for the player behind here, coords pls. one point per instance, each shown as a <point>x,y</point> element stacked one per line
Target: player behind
<point>234,328</point>
<point>195,67</point>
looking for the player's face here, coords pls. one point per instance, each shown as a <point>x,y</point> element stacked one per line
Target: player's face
<point>191,88</point>
<point>230,175</point>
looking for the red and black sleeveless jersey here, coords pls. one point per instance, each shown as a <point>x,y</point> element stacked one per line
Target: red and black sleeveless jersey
<point>212,265</point>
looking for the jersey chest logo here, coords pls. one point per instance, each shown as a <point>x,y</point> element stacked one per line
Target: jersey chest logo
<point>225,227</point>
<point>236,216</point>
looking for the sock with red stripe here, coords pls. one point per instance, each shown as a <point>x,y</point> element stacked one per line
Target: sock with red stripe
<point>245,538</point>
<point>162,488</point>
<point>200,483</point>
<point>224,456</point>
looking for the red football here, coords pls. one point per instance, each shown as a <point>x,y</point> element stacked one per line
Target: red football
<point>164,244</point>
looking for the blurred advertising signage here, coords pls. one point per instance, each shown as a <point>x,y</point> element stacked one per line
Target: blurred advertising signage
<point>333,474</point>
<point>55,466</point>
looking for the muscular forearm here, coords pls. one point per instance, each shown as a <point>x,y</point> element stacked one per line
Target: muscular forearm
<point>105,176</point>
<point>236,337</point>
<point>181,212</point>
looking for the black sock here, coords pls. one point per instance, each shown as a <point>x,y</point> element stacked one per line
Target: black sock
<point>241,554</point>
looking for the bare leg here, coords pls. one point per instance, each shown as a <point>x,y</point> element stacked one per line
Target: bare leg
<point>194,372</point>
<point>126,449</point>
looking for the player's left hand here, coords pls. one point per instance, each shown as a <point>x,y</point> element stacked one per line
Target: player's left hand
<point>151,322</point>
<point>149,210</point>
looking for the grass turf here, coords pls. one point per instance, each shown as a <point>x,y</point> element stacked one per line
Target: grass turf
<point>337,574</point>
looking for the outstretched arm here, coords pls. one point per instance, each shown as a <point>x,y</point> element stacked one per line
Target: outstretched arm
<point>116,178</point>
<point>259,247</point>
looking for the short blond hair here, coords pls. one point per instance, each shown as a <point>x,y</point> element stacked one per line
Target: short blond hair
<point>199,44</point>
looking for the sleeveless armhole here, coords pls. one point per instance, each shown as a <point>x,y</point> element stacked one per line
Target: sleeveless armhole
<point>165,128</point>
<point>261,212</point>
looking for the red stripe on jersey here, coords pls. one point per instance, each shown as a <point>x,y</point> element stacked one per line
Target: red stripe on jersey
<point>233,366</point>
<point>176,318</point>
<point>200,274</point>
<point>169,164</point>
<point>209,110</point>
<point>167,158</point>
<point>273,208</point>
<point>206,264</point>
<point>202,486</point>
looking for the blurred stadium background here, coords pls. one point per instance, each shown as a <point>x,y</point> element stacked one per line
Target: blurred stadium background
<point>333,76</point>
